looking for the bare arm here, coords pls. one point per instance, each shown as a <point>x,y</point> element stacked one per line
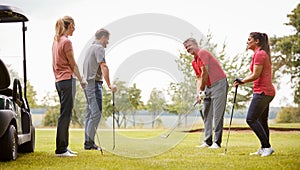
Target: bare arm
<point>204,78</point>
<point>73,65</point>
<point>74,68</point>
<point>199,81</point>
<point>257,70</point>
<point>105,72</point>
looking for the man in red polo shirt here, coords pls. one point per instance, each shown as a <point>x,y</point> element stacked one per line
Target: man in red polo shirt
<point>212,81</point>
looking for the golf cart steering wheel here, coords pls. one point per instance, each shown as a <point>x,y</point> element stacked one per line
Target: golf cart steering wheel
<point>17,92</point>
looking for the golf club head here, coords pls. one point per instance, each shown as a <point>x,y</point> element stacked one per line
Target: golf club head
<point>164,136</point>
<point>222,154</point>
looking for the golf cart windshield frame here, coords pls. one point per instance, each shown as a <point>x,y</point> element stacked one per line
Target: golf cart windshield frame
<point>10,14</point>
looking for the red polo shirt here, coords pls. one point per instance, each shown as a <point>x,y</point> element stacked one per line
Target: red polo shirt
<point>264,81</point>
<point>215,72</point>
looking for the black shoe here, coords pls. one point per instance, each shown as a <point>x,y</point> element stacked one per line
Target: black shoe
<point>93,147</point>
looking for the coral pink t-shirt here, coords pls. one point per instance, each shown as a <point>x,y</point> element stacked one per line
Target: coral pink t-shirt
<point>60,64</point>
<point>215,72</point>
<point>264,81</point>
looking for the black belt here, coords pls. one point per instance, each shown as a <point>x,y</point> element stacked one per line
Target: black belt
<point>97,81</point>
<point>101,82</point>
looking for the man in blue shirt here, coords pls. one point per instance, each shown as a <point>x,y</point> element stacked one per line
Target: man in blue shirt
<point>94,70</point>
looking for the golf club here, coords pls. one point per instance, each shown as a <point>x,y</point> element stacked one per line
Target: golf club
<point>174,127</point>
<point>201,114</point>
<point>202,96</point>
<point>99,141</point>
<point>234,101</point>
<point>114,134</point>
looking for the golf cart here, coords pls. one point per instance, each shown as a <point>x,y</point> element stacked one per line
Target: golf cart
<point>17,134</point>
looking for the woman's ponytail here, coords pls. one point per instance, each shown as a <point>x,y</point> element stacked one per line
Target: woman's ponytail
<point>61,26</point>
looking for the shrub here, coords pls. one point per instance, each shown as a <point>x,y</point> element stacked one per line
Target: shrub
<point>288,115</point>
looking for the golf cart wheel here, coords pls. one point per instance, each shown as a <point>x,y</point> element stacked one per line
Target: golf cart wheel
<point>9,144</point>
<point>28,146</point>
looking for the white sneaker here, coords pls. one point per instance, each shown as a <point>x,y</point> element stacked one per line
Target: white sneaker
<point>72,152</point>
<point>204,145</point>
<point>214,146</point>
<point>65,154</point>
<point>259,152</point>
<point>267,152</point>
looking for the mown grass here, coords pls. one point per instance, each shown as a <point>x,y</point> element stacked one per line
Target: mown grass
<point>182,156</point>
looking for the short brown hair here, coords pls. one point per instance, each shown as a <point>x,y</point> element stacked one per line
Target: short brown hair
<point>193,40</point>
<point>101,32</point>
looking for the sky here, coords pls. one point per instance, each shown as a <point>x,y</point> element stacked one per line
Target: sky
<point>229,21</point>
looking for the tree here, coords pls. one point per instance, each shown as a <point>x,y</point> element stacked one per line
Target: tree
<point>236,67</point>
<point>31,96</point>
<point>182,93</point>
<point>31,93</point>
<point>135,100</point>
<point>51,103</point>
<point>155,104</point>
<point>107,107</point>
<point>122,104</point>
<point>286,54</point>
<point>79,109</point>
<point>180,103</point>
<point>288,115</point>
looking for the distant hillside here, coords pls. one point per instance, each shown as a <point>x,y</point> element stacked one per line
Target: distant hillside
<point>242,113</point>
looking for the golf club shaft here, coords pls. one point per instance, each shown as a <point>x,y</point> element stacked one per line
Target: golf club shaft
<point>99,141</point>
<point>176,124</point>
<point>201,114</point>
<point>114,134</point>
<point>231,116</point>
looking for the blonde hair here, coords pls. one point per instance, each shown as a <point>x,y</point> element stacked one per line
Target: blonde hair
<point>62,25</point>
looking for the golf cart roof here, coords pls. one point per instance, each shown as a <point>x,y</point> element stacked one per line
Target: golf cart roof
<point>11,14</point>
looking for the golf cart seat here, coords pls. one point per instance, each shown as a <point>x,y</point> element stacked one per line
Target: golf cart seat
<point>4,86</point>
<point>5,95</point>
<point>4,77</point>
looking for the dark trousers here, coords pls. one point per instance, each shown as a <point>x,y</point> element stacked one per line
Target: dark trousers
<point>257,117</point>
<point>66,91</point>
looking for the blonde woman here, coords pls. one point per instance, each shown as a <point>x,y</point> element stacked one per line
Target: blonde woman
<point>64,69</point>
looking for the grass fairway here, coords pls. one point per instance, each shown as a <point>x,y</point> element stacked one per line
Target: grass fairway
<point>182,156</point>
